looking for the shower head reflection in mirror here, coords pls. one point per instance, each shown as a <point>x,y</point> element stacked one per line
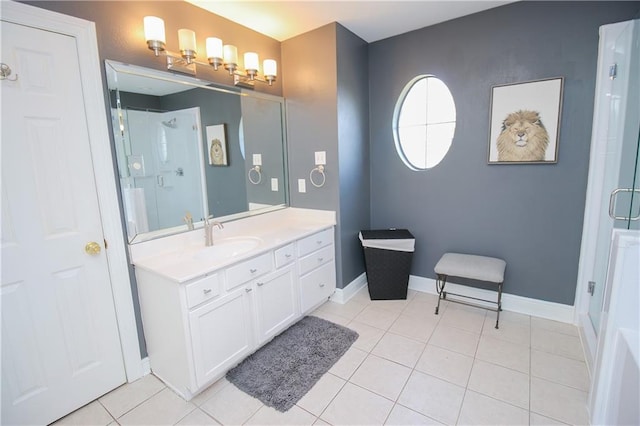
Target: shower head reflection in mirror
<point>159,121</point>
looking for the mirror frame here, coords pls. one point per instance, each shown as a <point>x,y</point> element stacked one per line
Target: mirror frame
<point>112,68</point>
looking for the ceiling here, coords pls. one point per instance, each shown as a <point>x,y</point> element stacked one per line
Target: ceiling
<point>370,20</point>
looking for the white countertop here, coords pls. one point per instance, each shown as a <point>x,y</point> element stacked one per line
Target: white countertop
<point>173,257</point>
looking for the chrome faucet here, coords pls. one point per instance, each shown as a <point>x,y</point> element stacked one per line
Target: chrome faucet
<point>208,230</point>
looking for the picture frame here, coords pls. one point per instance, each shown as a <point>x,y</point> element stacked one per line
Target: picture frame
<point>217,145</point>
<point>525,122</point>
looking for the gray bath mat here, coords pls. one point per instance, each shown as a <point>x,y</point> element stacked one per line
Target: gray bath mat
<point>283,371</point>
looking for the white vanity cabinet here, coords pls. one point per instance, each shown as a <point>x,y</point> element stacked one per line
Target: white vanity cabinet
<point>316,268</point>
<point>199,329</point>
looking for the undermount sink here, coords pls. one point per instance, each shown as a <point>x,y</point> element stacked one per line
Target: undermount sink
<point>225,248</point>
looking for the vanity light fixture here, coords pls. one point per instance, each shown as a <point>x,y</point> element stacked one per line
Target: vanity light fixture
<point>218,54</point>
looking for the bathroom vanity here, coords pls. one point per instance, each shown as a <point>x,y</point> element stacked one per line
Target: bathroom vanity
<point>204,309</point>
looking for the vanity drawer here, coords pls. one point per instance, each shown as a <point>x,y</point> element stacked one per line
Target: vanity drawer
<point>284,255</point>
<point>317,286</point>
<point>316,259</point>
<point>247,270</point>
<point>315,241</point>
<point>203,290</point>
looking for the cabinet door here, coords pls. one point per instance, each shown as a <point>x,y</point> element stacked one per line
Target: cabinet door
<point>276,303</point>
<point>221,334</point>
<point>317,286</point>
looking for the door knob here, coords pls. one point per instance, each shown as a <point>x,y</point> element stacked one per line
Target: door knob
<point>92,248</point>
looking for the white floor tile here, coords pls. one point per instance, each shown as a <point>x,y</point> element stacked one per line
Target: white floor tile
<point>368,336</point>
<point>515,317</point>
<point>560,402</point>
<point>424,309</point>
<point>506,354</point>
<point>93,414</point>
<point>446,365</point>
<point>557,343</point>
<point>395,306</point>
<point>321,394</point>
<point>348,363</point>
<point>197,418</point>
<point>465,318</point>
<point>209,392</point>
<point>377,317</point>
<point>399,349</point>
<point>349,310</point>
<point>435,398</point>
<point>516,332</point>
<point>130,395</point>
<point>538,420</point>
<point>478,409</point>
<point>455,339</point>
<point>164,408</point>
<point>558,327</point>
<point>559,369</point>
<point>413,328</point>
<point>381,376</point>
<point>331,317</point>
<point>231,406</point>
<point>269,416</point>
<point>357,406</point>
<point>401,416</point>
<point>501,383</point>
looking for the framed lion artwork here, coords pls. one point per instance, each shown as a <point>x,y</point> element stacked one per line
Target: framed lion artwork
<point>525,122</point>
<point>217,145</point>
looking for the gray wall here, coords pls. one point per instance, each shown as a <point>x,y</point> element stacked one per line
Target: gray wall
<point>353,150</point>
<point>529,215</point>
<point>327,110</point>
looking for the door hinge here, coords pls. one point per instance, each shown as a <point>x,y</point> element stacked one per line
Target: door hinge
<point>613,71</point>
<point>592,287</point>
<point>106,246</point>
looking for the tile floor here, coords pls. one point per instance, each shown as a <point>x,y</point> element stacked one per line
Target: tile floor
<point>408,366</point>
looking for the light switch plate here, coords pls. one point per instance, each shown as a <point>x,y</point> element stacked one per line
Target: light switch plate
<point>274,184</point>
<point>302,185</point>
<point>321,158</point>
<point>257,159</point>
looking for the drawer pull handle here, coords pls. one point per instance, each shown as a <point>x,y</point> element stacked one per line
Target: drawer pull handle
<point>248,289</point>
<point>259,284</point>
<point>253,270</point>
<point>287,255</point>
<point>321,285</point>
<point>320,259</point>
<point>206,291</point>
<point>319,242</point>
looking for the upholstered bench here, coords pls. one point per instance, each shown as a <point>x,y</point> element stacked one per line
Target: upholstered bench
<point>480,268</point>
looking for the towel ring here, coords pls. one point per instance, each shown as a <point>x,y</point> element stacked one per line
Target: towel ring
<point>323,177</point>
<point>5,72</point>
<point>255,171</point>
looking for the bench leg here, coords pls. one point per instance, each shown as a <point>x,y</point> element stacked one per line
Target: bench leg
<point>499,304</point>
<point>440,283</point>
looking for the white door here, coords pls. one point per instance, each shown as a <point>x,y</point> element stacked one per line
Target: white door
<point>60,342</point>
<point>621,184</point>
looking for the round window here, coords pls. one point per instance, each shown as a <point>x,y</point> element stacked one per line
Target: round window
<point>424,121</point>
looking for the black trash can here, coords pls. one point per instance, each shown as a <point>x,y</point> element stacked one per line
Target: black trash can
<point>387,257</point>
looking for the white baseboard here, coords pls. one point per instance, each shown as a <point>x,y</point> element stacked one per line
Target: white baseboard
<point>342,295</point>
<point>146,366</point>
<point>510,302</point>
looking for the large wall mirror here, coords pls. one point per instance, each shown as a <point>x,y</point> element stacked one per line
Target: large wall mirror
<point>186,147</point>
